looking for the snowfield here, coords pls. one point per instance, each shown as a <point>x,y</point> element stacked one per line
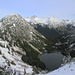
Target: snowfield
<point>11,61</point>
<point>67,69</point>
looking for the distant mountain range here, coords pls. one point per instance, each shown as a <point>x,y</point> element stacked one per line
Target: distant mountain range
<point>50,22</point>
<point>51,27</point>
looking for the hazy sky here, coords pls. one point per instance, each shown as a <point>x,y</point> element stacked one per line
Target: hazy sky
<point>61,9</point>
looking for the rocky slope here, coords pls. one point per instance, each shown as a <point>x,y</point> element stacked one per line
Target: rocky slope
<point>20,44</point>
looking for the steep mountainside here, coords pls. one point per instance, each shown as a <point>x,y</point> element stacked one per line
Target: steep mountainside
<point>19,43</point>
<point>52,28</point>
<point>61,32</point>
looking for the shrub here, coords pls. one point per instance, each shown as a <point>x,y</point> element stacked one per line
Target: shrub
<point>13,63</point>
<point>0,52</point>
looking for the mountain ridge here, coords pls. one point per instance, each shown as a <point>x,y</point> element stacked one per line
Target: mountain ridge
<point>23,43</point>
<point>50,21</point>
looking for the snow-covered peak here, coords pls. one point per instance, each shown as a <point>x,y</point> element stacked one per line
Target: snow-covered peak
<point>52,18</point>
<point>27,19</point>
<point>36,20</point>
<point>12,18</point>
<point>73,22</point>
<point>51,21</point>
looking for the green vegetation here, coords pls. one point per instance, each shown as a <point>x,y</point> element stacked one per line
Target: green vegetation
<point>4,57</point>
<point>32,56</point>
<point>13,63</point>
<point>1,73</point>
<point>36,70</point>
<point>0,52</point>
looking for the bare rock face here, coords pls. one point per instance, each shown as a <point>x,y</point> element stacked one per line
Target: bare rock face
<point>14,28</point>
<point>17,26</point>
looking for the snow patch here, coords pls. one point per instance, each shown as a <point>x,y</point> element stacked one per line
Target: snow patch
<point>68,69</point>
